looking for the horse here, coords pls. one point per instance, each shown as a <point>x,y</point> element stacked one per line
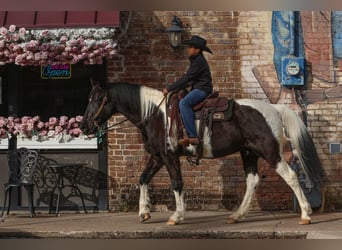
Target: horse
<point>256,129</point>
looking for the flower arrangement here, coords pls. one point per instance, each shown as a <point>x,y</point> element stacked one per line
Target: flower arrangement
<point>62,128</point>
<point>56,46</point>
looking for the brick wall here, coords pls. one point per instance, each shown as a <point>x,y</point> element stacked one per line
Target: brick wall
<point>325,123</point>
<point>318,44</point>
<point>256,49</point>
<point>241,42</point>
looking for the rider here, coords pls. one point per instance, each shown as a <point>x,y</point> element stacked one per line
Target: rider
<point>198,76</point>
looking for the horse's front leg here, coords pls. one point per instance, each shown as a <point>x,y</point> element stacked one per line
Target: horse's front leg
<point>178,215</point>
<point>152,167</point>
<point>173,167</point>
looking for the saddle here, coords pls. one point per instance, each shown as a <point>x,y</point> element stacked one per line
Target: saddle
<point>213,109</point>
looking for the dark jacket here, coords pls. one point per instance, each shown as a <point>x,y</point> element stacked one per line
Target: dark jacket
<point>198,76</point>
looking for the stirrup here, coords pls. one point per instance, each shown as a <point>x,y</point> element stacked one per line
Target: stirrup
<point>194,161</point>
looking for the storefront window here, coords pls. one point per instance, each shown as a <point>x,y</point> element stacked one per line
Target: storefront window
<point>54,97</point>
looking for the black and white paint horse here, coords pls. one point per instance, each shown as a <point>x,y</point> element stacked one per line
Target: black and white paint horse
<point>256,130</point>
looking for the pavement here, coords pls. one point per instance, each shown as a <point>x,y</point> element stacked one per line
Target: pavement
<point>197,225</point>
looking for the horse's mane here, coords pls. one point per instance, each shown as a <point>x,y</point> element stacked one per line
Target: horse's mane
<point>125,93</point>
<point>136,95</point>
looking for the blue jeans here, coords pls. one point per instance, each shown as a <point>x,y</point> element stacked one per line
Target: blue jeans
<point>185,106</point>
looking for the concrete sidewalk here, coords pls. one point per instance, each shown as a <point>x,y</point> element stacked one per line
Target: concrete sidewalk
<point>197,225</point>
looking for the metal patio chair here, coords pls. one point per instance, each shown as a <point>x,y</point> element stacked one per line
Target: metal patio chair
<point>22,164</point>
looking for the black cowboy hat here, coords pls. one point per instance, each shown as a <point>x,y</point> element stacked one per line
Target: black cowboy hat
<point>198,42</point>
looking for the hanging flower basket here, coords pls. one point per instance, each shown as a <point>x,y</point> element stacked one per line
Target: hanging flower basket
<point>56,46</point>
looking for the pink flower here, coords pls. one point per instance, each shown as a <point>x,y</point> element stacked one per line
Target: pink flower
<point>40,125</point>
<point>17,48</point>
<point>3,122</point>
<point>36,118</point>
<point>44,47</point>
<point>25,119</point>
<point>75,132</point>
<point>45,33</point>
<point>63,121</point>
<point>58,129</point>
<point>30,125</point>
<point>52,121</point>
<point>75,125</point>
<point>12,28</point>
<point>22,31</point>
<point>79,118</point>
<point>3,133</point>
<point>15,37</point>
<point>3,31</point>
<point>63,39</point>
<point>71,121</point>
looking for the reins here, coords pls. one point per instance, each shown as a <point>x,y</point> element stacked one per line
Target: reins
<point>104,100</point>
<point>102,131</point>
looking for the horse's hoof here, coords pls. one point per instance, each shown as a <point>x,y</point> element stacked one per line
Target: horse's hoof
<point>172,223</point>
<point>231,221</point>
<point>304,222</point>
<point>144,217</point>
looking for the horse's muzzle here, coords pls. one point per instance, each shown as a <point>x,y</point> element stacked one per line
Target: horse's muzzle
<point>86,129</point>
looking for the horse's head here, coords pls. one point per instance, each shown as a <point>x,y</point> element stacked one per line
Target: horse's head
<point>98,110</point>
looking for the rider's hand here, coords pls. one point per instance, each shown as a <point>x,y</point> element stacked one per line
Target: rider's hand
<point>165,91</point>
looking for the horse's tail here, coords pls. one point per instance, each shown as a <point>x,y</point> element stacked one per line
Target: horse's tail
<point>303,144</point>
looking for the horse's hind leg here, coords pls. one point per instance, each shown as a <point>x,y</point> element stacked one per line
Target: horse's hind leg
<point>152,167</point>
<point>290,176</point>
<point>250,161</point>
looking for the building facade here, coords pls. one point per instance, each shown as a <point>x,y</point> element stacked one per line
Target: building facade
<point>243,65</point>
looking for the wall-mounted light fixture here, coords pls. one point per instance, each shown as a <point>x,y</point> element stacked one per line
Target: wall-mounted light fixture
<point>175,32</point>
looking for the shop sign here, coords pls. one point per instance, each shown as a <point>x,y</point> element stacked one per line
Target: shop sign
<point>58,71</point>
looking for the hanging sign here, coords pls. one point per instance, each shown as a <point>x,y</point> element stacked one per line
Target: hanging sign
<point>58,71</point>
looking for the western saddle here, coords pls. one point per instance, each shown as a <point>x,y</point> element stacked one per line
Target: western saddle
<point>213,109</point>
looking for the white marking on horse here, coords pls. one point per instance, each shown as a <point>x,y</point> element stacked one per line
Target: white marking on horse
<point>251,183</point>
<point>291,178</point>
<point>178,215</point>
<point>207,149</point>
<point>270,114</point>
<point>150,99</point>
<point>144,202</point>
<point>171,138</point>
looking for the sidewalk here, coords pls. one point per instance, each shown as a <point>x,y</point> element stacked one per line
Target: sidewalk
<point>197,225</point>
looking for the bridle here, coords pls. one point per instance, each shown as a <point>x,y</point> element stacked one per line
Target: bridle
<point>102,131</point>
<point>103,103</point>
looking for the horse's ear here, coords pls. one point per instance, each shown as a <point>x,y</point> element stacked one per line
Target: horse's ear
<point>94,83</point>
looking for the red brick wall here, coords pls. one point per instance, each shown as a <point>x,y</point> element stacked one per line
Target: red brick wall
<point>324,121</point>
<point>318,44</point>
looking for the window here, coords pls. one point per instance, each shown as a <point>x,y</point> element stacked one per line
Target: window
<point>53,97</point>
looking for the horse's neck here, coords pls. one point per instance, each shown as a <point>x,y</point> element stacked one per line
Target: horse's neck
<point>127,101</point>
<point>138,103</point>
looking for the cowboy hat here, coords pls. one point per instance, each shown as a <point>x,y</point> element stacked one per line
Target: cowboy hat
<point>198,42</point>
